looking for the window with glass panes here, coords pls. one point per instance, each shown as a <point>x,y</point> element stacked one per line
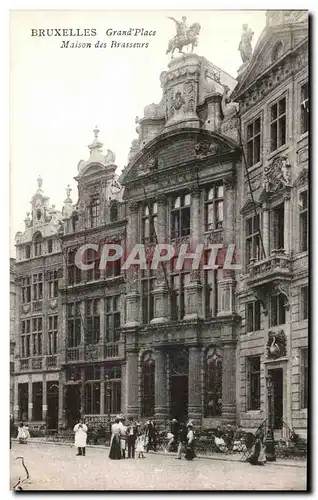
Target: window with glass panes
<point>74,274</point>
<point>94,211</point>
<point>27,251</point>
<point>37,281</point>
<point>211,278</point>
<point>304,377</point>
<point>254,383</point>
<point>277,218</point>
<point>253,146</point>
<point>112,316</point>
<point>112,377</point>
<point>180,216</point>
<point>37,244</point>
<point>213,208</point>
<point>303,219</point>
<point>179,281</point>
<point>26,290</point>
<point>304,108</point>
<point>253,316</point>
<point>74,323</point>
<point>92,257</point>
<point>36,336</point>
<point>50,245</point>
<point>25,345</point>
<point>149,223</point>
<point>278,124</point>
<point>52,334</point>
<point>37,396</point>
<point>92,321</point>
<point>277,310</point>
<point>304,302</point>
<point>147,286</point>
<point>252,238</point>
<point>92,381</point>
<point>213,384</point>
<point>113,268</point>
<point>53,284</point>
<point>148,386</point>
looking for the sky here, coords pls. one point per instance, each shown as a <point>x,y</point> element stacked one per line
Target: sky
<point>58,96</point>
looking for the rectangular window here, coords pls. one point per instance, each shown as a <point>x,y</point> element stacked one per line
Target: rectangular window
<point>53,283</point>
<point>179,281</point>
<point>49,246</point>
<point>304,109</point>
<point>92,398</point>
<point>304,302</point>
<point>37,280</point>
<point>303,219</point>
<point>25,338</point>
<point>92,323</point>
<point>253,316</point>
<point>74,324</point>
<point>52,334</point>
<point>180,216</point>
<point>27,251</point>
<point>304,377</point>
<point>112,390</point>
<point>26,290</point>
<point>211,288</point>
<point>36,337</point>
<point>278,124</point>
<point>252,239</point>
<point>213,208</point>
<point>112,323</point>
<point>254,383</point>
<point>150,223</point>
<point>254,142</point>
<point>278,311</point>
<point>74,273</point>
<point>37,395</point>
<point>147,286</point>
<point>94,211</point>
<point>277,229</point>
<point>92,257</point>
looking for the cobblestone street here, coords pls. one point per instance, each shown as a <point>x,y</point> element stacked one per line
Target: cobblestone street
<point>53,467</point>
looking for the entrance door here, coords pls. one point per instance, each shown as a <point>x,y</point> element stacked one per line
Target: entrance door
<point>73,405</point>
<point>277,378</point>
<point>179,364</point>
<point>52,405</point>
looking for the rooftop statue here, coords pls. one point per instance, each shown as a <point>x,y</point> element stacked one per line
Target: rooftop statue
<point>245,46</point>
<point>185,36</point>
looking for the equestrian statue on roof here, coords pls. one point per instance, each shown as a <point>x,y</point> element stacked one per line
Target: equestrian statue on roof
<point>185,36</point>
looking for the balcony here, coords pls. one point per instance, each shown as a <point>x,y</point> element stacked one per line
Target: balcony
<point>51,362</point>
<point>276,267</point>
<point>112,350</point>
<point>72,354</point>
<point>24,364</point>
<point>37,306</point>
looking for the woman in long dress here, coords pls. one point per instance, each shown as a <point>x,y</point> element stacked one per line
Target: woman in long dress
<point>80,430</point>
<point>258,456</point>
<point>115,447</point>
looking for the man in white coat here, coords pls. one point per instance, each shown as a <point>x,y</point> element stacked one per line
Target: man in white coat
<point>80,430</point>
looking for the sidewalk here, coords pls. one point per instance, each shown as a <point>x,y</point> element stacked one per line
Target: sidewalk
<point>287,462</point>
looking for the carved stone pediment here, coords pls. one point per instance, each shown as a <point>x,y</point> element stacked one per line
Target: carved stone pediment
<point>276,345</point>
<point>205,148</point>
<point>249,206</point>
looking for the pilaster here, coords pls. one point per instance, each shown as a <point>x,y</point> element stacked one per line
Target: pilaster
<point>229,383</point>
<point>287,222</point>
<point>30,399</point>
<point>44,398</point>
<point>132,383</point>
<point>195,385</point>
<point>161,407</point>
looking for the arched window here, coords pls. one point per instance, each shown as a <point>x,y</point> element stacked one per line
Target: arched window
<point>148,386</point>
<point>277,51</point>
<point>213,383</point>
<point>113,212</point>
<point>37,242</point>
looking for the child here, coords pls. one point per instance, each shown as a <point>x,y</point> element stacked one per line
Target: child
<point>140,446</point>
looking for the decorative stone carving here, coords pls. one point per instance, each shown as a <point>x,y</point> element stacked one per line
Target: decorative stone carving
<point>91,353</point>
<point>229,109</point>
<point>178,101</point>
<point>276,345</point>
<point>18,237</point>
<point>302,179</point>
<point>27,220</point>
<point>110,157</point>
<point>185,36</point>
<point>203,149</point>
<point>277,175</point>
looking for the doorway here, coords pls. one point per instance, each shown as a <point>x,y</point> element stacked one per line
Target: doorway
<point>278,391</point>
<point>73,404</point>
<point>52,405</point>
<point>179,381</point>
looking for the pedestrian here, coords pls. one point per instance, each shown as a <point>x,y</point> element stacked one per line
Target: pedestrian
<point>189,455</point>
<point>182,440</point>
<point>140,446</point>
<point>123,436</point>
<point>257,456</point>
<point>80,430</point>
<point>23,433</point>
<point>115,448</point>
<point>132,434</point>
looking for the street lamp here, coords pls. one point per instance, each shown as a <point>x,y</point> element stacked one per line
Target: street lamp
<point>269,441</point>
<point>108,399</point>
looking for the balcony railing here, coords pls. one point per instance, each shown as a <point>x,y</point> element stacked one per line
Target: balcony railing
<point>24,364</point>
<point>112,350</point>
<point>36,363</point>
<point>277,265</point>
<point>72,354</point>
<point>51,361</point>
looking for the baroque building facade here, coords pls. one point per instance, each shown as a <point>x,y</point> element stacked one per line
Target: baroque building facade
<point>220,162</point>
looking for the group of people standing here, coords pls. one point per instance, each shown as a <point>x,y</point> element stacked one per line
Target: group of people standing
<point>131,439</point>
<point>182,439</point>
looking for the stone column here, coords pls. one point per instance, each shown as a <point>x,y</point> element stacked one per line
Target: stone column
<point>30,400</point>
<point>132,383</point>
<point>226,294</point>
<point>229,383</point>
<point>102,391</point>
<point>287,222</point>
<point>161,407</point>
<point>195,385</point>
<point>266,229</point>
<point>102,327</point>
<point>160,293</point>
<point>193,291</point>
<point>132,274</point>
<point>44,398</point>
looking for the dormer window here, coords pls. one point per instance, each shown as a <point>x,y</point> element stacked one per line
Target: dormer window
<point>94,211</point>
<point>37,242</point>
